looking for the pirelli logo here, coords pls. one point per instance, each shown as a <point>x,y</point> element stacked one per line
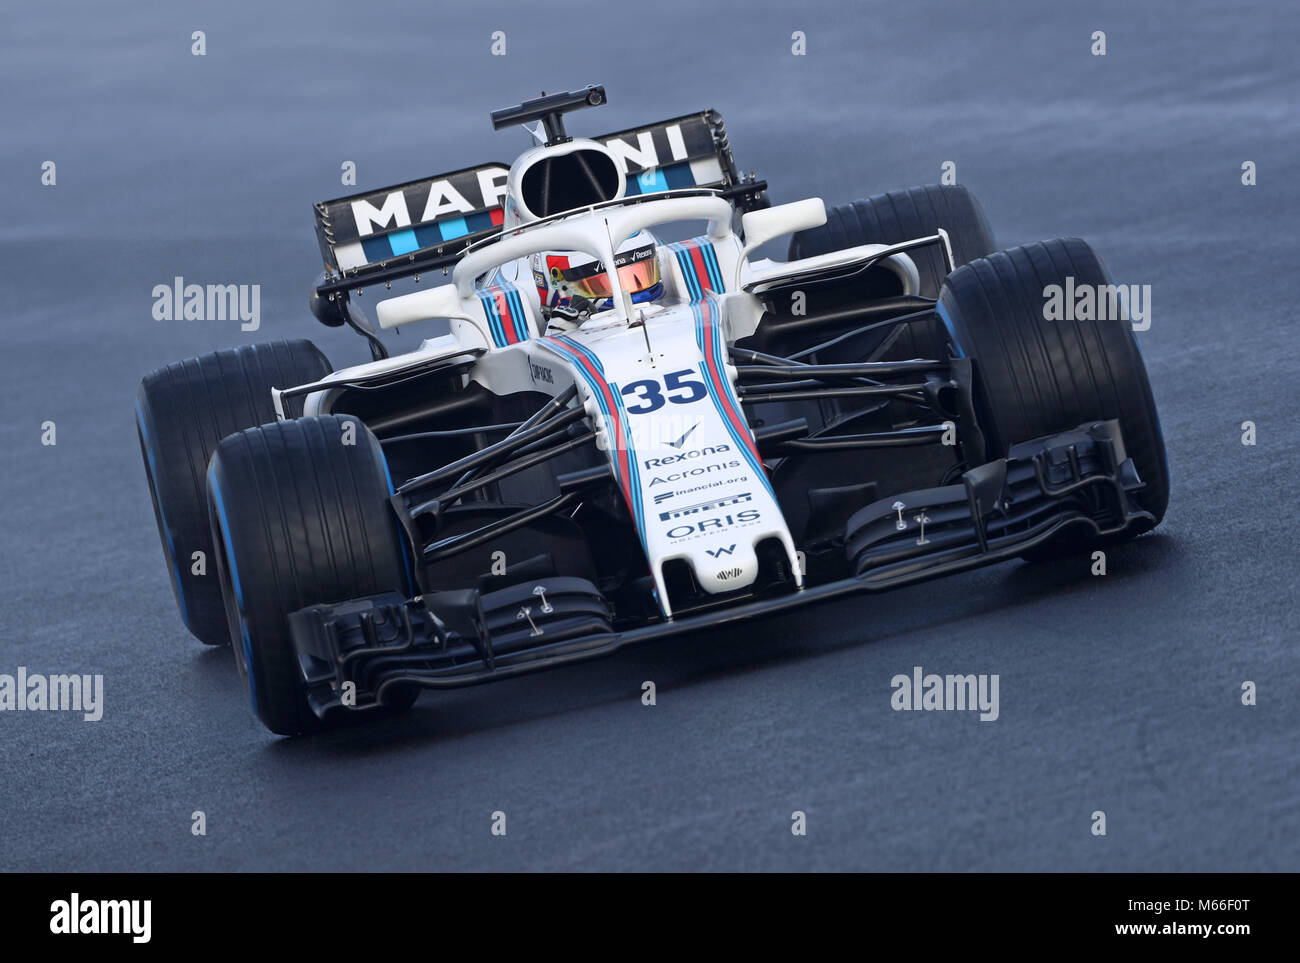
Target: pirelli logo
<point>710,506</point>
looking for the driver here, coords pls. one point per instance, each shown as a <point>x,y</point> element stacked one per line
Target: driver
<point>572,287</point>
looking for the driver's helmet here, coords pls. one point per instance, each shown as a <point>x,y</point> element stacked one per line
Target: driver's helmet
<point>570,284</point>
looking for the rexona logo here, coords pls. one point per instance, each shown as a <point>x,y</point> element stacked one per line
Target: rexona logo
<point>706,525</point>
<point>686,456</point>
<point>75,916</point>
<point>728,573</point>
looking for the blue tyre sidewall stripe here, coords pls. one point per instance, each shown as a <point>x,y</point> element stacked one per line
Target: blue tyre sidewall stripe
<point>407,565</point>
<point>233,567</point>
<point>940,310</point>
<point>174,564</point>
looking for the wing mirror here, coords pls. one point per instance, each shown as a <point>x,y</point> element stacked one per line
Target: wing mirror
<point>773,222</point>
<point>439,302</point>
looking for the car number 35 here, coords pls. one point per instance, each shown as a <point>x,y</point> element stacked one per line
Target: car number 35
<point>679,387</point>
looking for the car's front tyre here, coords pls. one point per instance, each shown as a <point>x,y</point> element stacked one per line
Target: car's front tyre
<point>300,516</point>
<point>1035,375</point>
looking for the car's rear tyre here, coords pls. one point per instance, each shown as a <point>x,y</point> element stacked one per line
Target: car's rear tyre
<point>1035,377</point>
<point>903,216</point>
<point>300,515</point>
<point>183,411</point>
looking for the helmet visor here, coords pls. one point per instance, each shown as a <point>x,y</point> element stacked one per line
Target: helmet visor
<point>638,269</point>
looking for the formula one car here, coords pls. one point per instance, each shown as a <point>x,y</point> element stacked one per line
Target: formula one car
<point>608,437</point>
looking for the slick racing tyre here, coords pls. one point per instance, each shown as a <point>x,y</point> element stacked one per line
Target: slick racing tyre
<point>1035,377</point>
<point>903,216</point>
<point>300,516</point>
<point>182,412</point>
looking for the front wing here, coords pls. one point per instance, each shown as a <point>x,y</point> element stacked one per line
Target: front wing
<point>1079,480</point>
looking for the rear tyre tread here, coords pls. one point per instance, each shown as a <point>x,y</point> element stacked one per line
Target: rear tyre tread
<point>188,407</point>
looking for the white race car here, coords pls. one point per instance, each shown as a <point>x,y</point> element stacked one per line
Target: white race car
<point>608,437</point>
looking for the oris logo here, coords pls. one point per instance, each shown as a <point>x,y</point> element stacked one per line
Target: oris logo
<point>707,525</point>
<point>685,456</point>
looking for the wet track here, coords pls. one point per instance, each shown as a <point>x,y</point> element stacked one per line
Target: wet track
<point>1118,693</point>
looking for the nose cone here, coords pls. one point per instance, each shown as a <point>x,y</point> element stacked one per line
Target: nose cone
<point>724,566</point>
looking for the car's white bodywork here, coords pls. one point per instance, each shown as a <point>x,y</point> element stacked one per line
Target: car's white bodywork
<point>655,378</point>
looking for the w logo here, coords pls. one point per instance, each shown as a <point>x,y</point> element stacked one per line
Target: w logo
<point>719,552</point>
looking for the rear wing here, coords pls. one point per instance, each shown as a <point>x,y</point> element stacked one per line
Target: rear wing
<point>445,212</point>
<point>425,224</point>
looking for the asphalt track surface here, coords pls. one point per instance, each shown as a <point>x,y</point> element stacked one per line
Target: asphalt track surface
<point>1119,693</point>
